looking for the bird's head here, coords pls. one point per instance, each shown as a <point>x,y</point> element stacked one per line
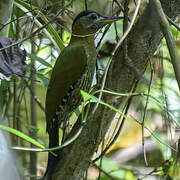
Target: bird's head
<point>89,22</point>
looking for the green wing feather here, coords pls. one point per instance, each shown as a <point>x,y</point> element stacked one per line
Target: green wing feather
<point>68,68</point>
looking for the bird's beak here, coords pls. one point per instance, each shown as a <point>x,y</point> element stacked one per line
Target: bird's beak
<point>111,19</point>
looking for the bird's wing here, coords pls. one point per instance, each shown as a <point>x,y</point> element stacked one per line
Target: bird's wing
<point>68,68</point>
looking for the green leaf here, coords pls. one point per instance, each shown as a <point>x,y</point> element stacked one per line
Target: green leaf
<point>85,95</point>
<point>39,59</point>
<point>43,79</point>
<point>4,85</point>
<point>22,135</point>
<point>94,99</point>
<point>66,36</point>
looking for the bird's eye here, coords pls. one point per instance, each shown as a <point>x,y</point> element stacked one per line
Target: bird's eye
<point>94,16</point>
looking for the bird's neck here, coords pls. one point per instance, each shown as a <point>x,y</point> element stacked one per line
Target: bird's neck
<point>84,39</point>
<point>82,35</point>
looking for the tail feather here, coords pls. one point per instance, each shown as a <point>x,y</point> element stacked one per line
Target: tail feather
<point>53,142</point>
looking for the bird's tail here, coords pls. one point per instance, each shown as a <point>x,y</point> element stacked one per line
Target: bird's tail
<point>53,142</point>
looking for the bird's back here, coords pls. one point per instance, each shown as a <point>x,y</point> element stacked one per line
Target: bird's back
<point>67,78</point>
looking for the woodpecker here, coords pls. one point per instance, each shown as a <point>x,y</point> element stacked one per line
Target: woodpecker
<point>73,71</point>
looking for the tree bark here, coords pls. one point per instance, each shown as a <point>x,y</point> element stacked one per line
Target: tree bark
<point>122,77</point>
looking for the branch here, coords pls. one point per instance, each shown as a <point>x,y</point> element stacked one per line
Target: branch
<point>164,25</point>
<point>173,23</point>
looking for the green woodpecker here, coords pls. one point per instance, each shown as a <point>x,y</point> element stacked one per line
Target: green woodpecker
<point>73,71</point>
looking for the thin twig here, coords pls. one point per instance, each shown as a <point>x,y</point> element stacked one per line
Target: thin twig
<point>120,7</point>
<point>141,94</point>
<point>120,127</point>
<point>125,27</point>
<point>104,33</point>
<point>35,98</point>
<point>144,115</point>
<point>17,19</point>
<point>86,5</point>
<point>107,174</point>
<point>115,137</point>
<point>164,143</point>
<point>161,57</point>
<point>173,23</point>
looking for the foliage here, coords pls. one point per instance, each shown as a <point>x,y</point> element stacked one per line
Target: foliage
<point>161,114</point>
